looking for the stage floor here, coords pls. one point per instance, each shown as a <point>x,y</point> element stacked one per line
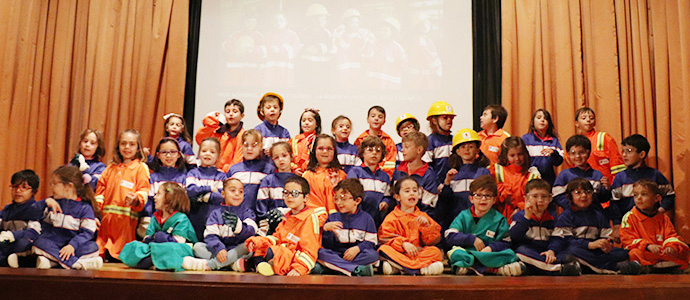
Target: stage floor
<point>116,281</point>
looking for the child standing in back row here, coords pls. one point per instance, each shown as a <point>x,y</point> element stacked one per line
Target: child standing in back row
<point>376,117</point>
<point>543,146</point>
<point>309,127</point>
<point>269,110</point>
<point>347,153</point>
<point>492,135</point>
<point>440,119</point>
<point>227,127</point>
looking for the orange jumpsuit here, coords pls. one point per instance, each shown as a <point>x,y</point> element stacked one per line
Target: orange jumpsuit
<point>399,227</point>
<point>388,163</point>
<point>301,147</point>
<point>639,230</point>
<point>295,243</point>
<point>119,221</point>
<point>511,182</point>
<point>230,142</point>
<point>321,184</point>
<point>605,156</point>
<point>491,144</point>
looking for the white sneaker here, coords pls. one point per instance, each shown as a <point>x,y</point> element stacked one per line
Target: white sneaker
<point>435,268</point>
<point>265,269</point>
<point>388,269</point>
<point>43,262</point>
<point>92,263</point>
<point>194,264</point>
<point>238,265</point>
<point>512,269</point>
<point>460,271</point>
<point>13,260</point>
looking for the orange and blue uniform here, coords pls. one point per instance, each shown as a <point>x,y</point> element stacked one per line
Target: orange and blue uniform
<point>230,141</point>
<point>294,245</point>
<point>119,220</point>
<point>388,163</point>
<point>638,230</point>
<point>321,183</point>
<point>301,147</point>
<point>491,144</point>
<point>604,156</point>
<point>511,183</point>
<point>399,227</point>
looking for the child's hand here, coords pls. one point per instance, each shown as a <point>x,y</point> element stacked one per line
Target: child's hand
<point>332,226</point>
<point>53,205</point>
<point>546,151</point>
<point>656,249</point>
<point>66,252</point>
<point>351,253</point>
<point>250,247</point>
<point>478,244</point>
<point>605,182</point>
<point>606,245</point>
<point>549,255</point>
<point>486,249</point>
<point>661,210</point>
<point>383,206</point>
<point>449,176</point>
<point>131,199</point>
<point>299,172</point>
<point>222,256</point>
<point>214,189</point>
<point>670,251</point>
<point>293,273</point>
<point>529,208</point>
<point>147,152</point>
<point>410,249</point>
<point>423,221</point>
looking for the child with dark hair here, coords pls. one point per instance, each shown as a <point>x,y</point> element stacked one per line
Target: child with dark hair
<point>175,127</point>
<point>492,135</point>
<point>377,184</point>
<point>323,174</point>
<point>270,204</point>
<point>408,235</point>
<point>649,234</point>
<point>293,248</point>
<point>309,127</point>
<point>635,149</point>
<point>349,236</point>
<point>227,128</point>
<point>512,172</point>
<point>531,230</point>
<point>376,117</point>
<point>478,236</point>
<point>585,233</point>
<point>89,155</point>
<point>20,220</point>
<point>543,146</point>
<point>341,127</point>
<point>269,111</point>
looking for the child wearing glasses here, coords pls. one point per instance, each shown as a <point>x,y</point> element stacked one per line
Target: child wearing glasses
<point>293,248</point>
<point>20,221</point>
<point>323,174</point>
<point>478,236</point>
<point>376,183</point>
<point>349,236</point>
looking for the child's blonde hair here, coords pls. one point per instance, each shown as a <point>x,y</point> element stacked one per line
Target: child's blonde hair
<point>254,133</point>
<point>175,196</point>
<point>117,156</point>
<point>418,139</point>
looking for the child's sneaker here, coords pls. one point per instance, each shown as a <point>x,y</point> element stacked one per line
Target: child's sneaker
<point>512,269</point>
<point>13,260</point>
<point>238,265</point>
<point>629,267</point>
<point>364,270</point>
<point>388,269</point>
<point>194,264</point>
<point>93,263</point>
<point>435,268</point>
<point>265,269</point>
<point>43,262</point>
<point>571,269</point>
<point>460,271</point>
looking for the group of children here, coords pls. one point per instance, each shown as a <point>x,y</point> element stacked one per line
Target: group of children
<point>257,200</point>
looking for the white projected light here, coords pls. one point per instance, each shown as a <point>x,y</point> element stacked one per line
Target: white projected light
<point>340,57</point>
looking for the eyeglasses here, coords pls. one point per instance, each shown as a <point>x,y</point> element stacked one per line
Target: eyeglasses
<point>373,149</point>
<point>254,144</point>
<point>484,196</point>
<point>170,153</point>
<point>582,192</point>
<point>21,188</point>
<point>293,193</point>
<point>342,198</point>
<point>628,150</point>
<point>578,153</point>
<point>409,126</point>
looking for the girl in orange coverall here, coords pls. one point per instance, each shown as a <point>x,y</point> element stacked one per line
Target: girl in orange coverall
<point>323,174</point>
<point>309,127</point>
<point>293,248</point>
<point>648,234</point>
<point>121,194</point>
<point>408,235</point>
<point>512,172</point>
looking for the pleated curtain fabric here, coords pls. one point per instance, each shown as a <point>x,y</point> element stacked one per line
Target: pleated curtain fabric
<point>627,59</point>
<point>69,65</point>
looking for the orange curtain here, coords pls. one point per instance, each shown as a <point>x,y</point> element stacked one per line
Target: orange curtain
<point>627,59</point>
<point>68,65</point>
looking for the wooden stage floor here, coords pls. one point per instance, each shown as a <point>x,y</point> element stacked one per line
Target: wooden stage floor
<point>115,281</point>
